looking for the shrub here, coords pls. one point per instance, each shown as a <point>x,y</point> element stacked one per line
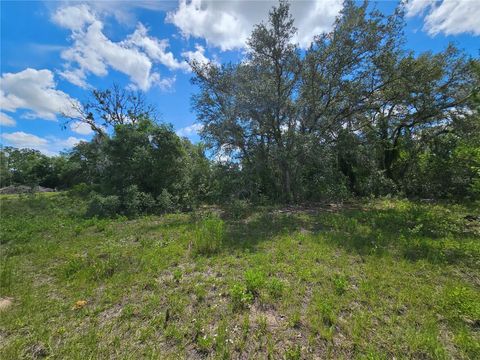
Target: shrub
<point>104,206</point>
<point>238,209</point>
<point>136,202</point>
<point>165,201</point>
<point>208,236</point>
<point>80,190</point>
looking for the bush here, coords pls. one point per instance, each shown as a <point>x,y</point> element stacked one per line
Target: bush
<point>238,209</point>
<point>165,201</point>
<point>80,190</point>
<point>135,202</point>
<point>208,236</point>
<point>104,206</point>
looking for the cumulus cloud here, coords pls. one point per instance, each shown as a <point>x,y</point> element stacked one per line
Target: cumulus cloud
<point>198,55</point>
<point>191,130</point>
<point>74,17</point>
<point>94,53</point>
<point>156,49</point>
<point>124,11</point>
<point>34,90</point>
<point>49,146</point>
<point>81,128</point>
<point>6,120</point>
<point>24,140</point>
<point>228,24</point>
<point>450,17</point>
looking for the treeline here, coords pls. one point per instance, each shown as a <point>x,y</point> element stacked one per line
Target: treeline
<point>356,114</point>
<point>140,167</point>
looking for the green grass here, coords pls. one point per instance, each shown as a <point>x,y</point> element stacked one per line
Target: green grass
<point>371,280</point>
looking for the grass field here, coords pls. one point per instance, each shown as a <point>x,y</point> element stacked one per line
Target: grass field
<point>371,280</point>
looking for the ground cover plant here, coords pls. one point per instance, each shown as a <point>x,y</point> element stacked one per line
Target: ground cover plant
<point>368,279</point>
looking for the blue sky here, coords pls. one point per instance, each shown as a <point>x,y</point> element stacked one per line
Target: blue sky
<point>52,53</point>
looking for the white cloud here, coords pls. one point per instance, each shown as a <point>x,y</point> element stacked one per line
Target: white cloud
<point>166,83</point>
<point>81,128</point>
<point>74,17</point>
<point>24,140</point>
<point>198,55</point>
<point>156,49</point>
<point>34,90</point>
<point>124,11</point>
<point>49,146</point>
<point>93,53</point>
<point>450,17</point>
<point>190,130</point>
<point>75,76</point>
<point>228,24</point>
<point>6,120</point>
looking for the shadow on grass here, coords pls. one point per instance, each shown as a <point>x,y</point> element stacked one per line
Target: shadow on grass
<point>247,235</point>
<point>413,231</point>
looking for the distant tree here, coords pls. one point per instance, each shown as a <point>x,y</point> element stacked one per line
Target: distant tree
<point>27,167</point>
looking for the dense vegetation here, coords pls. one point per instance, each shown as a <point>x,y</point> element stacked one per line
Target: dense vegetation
<point>374,280</point>
<point>356,114</point>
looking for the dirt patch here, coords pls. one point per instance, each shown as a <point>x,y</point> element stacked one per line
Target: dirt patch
<point>109,314</point>
<point>270,316</point>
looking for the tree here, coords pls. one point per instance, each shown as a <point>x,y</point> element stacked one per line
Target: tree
<point>106,108</point>
<point>248,110</point>
<point>352,112</point>
<point>28,167</point>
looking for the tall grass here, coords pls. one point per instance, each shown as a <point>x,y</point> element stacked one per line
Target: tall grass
<point>208,236</point>
<point>6,276</point>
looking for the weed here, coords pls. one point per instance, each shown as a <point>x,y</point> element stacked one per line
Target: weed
<point>128,311</point>
<point>200,292</point>
<point>245,326</point>
<point>173,333</point>
<point>293,352</point>
<point>275,288</point>
<point>262,325</point>
<point>295,320</point>
<point>205,344</point>
<point>241,298</point>
<point>177,275</point>
<point>341,284</point>
<point>254,281</point>
<point>73,266</point>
